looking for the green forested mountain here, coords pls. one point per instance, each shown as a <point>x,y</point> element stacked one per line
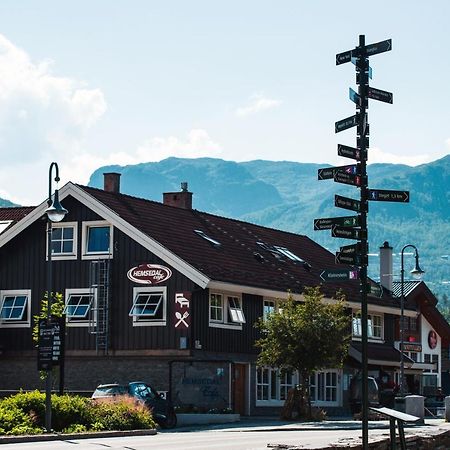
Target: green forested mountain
<point>287,195</point>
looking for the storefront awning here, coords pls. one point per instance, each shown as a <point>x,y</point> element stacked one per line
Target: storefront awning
<point>379,355</point>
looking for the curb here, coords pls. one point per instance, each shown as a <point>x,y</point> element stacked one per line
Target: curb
<point>69,436</point>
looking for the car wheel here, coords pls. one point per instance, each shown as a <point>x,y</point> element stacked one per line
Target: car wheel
<point>171,421</point>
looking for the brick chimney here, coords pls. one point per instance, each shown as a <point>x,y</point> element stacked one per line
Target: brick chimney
<point>181,199</point>
<point>386,267</point>
<point>111,182</point>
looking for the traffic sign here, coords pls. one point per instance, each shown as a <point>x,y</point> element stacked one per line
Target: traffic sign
<point>328,173</point>
<point>348,203</point>
<point>354,97</point>
<point>333,275</point>
<point>343,57</point>
<point>379,47</point>
<point>346,123</point>
<point>327,223</point>
<point>347,233</point>
<point>351,152</point>
<point>378,94</point>
<point>383,195</point>
<point>347,178</point>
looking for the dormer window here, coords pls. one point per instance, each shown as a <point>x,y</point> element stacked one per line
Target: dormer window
<point>208,238</point>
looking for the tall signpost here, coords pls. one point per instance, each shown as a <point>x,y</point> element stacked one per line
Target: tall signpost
<point>356,175</point>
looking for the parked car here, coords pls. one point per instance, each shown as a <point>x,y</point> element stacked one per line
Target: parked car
<point>163,412</point>
<point>356,393</point>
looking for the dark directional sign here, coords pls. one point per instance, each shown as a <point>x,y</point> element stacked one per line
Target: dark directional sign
<point>328,173</point>
<point>351,249</point>
<point>360,141</point>
<point>383,195</point>
<point>343,57</point>
<point>347,178</point>
<point>379,47</point>
<point>346,123</point>
<point>351,152</point>
<point>355,60</point>
<point>354,97</point>
<point>334,275</point>
<point>347,233</point>
<point>378,94</point>
<point>347,203</point>
<point>345,258</point>
<point>327,223</point>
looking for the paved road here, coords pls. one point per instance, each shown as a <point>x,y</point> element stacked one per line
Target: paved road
<point>233,437</point>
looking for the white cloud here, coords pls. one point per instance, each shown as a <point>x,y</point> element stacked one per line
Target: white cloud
<point>258,103</point>
<point>43,117</point>
<point>376,155</point>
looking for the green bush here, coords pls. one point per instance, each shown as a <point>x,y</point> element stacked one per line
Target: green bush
<point>24,413</point>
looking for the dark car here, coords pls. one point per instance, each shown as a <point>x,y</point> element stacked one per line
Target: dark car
<point>356,393</point>
<point>162,410</point>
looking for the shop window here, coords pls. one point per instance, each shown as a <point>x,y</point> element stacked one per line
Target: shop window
<point>149,306</point>
<point>15,309</point>
<point>272,385</point>
<point>324,388</point>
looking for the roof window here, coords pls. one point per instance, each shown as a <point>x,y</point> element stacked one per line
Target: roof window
<point>207,238</point>
<point>4,224</point>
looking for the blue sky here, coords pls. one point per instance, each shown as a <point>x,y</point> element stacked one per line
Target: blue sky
<point>89,83</point>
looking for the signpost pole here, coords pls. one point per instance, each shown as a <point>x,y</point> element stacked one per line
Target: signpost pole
<point>48,378</point>
<point>363,67</point>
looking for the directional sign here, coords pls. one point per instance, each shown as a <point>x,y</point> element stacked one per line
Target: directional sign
<point>379,47</point>
<point>344,57</point>
<point>327,223</point>
<point>346,123</point>
<point>351,249</point>
<point>347,203</point>
<point>347,233</point>
<point>342,258</point>
<point>378,94</point>
<point>354,97</point>
<point>351,152</point>
<point>355,60</point>
<point>333,275</point>
<point>383,195</point>
<point>328,173</point>
<point>346,178</point>
<point>360,141</point>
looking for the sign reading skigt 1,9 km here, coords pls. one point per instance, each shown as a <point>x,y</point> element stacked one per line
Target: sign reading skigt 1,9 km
<point>149,274</point>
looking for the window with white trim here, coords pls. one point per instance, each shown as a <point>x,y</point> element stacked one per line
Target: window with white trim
<point>64,240</point>
<point>79,306</point>
<point>271,306</point>
<point>374,326</point>
<point>149,306</point>
<point>97,240</point>
<point>225,311</point>
<point>272,385</point>
<point>324,387</point>
<point>15,308</point>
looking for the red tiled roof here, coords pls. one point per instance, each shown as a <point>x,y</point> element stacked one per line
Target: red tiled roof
<point>239,259</point>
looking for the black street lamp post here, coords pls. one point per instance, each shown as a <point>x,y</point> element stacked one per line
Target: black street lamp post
<point>417,272</point>
<point>55,213</point>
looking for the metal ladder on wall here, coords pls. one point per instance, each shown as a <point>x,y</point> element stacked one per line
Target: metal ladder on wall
<point>99,278</point>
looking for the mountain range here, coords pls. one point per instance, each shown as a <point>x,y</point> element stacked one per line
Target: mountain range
<point>288,196</point>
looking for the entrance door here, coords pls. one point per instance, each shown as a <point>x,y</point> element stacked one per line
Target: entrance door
<point>239,388</point>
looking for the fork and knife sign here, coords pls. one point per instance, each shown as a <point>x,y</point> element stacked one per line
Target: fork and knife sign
<point>181,318</point>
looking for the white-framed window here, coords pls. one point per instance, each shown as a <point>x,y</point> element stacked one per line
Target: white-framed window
<point>149,306</point>
<point>64,240</point>
<point>79,304</point>
<point>97,239</point>
<point>271,306</point>
<point>15,308</point>
<point>272,386</point>
<point>374,326</point>
<point>324,388</point>
<point>225,311</point>
<point>4,224</point>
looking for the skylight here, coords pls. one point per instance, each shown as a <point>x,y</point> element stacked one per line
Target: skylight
<point>209,239</point>
<point>286,252</point>
<point>4,224</point>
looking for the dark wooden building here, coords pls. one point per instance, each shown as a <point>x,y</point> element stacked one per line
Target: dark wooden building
<point>163,293</point>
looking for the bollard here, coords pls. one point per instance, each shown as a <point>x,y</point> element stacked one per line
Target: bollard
<point>415,405</point>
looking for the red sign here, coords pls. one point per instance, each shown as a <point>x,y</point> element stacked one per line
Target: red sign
<point>149,274</point>
<point>182,310</point>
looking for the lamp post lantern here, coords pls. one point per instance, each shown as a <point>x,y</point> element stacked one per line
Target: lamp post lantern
<point>417,272</point>
<point>55,213</point>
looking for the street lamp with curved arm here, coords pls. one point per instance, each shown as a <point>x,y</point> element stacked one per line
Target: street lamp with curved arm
<point>417,272</point>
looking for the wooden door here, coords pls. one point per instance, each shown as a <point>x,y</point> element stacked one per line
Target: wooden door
<point>239,388</point>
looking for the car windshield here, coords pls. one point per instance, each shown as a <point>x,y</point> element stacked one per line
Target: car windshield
<point>142,390</point>
<point>109,391</point>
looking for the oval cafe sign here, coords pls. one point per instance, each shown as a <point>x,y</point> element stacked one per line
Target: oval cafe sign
<point>149,274</point>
